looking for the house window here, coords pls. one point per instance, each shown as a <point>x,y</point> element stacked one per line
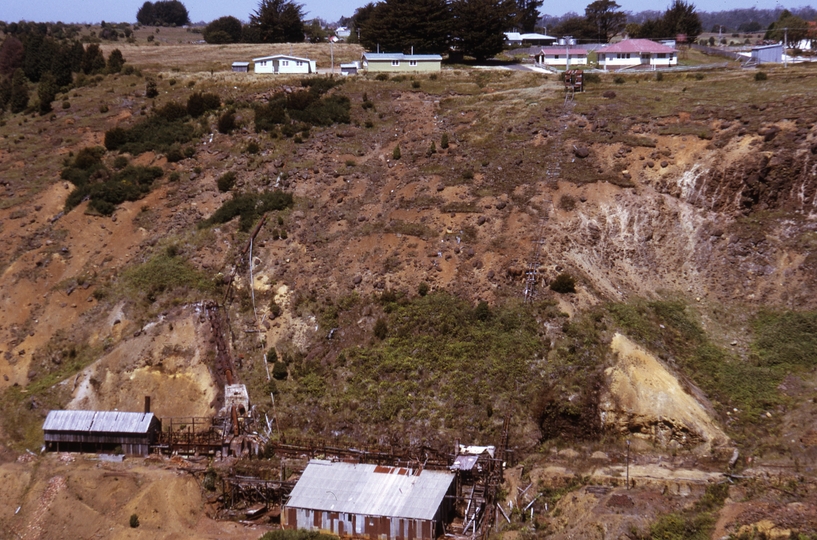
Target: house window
<point>284,62</point>
<point>299,63</point>
<point>412,62</point>
<point>556,57</point>
<point>264,63</point>
<point>395,63</point>
<point>662,55</point>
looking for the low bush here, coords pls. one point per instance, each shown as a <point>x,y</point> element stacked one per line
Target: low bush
<point>199,103</point>
<point>226,122</point>
<point>618,80</point>
<point>279,371</point>
<point>165,271</point>
<point>134,521</point>
<point>171,111</point>
<point>306,107</point>
<point>226,182</point>
<point>593,78</point>
<point>564,283</point>
<point>249,207</point>
<point>761,76</point>
<point>154,133</point>
<point>105,191</point>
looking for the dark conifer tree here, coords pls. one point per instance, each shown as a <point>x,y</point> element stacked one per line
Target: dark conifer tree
<point>277,21</point>
<point>400,25</point>
<point>479,25</point>
<point>18,100</point>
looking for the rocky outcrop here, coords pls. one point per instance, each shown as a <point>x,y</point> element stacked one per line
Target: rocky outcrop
<point>643,399</point>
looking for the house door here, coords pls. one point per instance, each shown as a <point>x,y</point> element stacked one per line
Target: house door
<point>645,58</point>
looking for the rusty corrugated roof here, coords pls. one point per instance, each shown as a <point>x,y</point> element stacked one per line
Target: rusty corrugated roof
<point>371,490</point>
<point>98,421</point>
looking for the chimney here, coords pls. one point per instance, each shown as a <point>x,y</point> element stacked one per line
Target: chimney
<point>147,404</point>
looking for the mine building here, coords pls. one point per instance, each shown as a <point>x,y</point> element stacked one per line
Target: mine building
<point>131,433</point>
<point>370,501</point>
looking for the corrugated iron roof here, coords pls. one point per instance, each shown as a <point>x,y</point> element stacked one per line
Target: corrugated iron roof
<point>637,46</point>
<point>282,56</point>
<point>564,51</point>
<point>370,490</point>
<point>401,56</point>
<point>464,463</point>
<point>98,421</point>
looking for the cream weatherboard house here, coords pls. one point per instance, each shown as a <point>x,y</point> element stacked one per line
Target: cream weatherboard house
<point>401,63</point>
<point>282,63</point>
<point>637,52</point>
<point>561,56</point>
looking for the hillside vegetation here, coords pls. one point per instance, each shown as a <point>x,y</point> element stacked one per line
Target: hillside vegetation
<point>385,290</point>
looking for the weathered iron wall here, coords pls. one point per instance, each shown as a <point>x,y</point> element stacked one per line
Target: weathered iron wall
<point>357,525</point>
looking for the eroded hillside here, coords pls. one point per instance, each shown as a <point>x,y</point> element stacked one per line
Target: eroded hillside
<point>392,287</point>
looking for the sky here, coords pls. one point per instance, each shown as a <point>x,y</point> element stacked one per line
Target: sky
<point>95,11</point>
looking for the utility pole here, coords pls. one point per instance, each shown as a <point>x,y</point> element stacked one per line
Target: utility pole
<point>628,463</point>
<point>785,47</point>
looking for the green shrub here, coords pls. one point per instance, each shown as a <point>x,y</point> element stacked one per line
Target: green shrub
<point>171,111</point>
<point>659,76</point>
<point>619,80</point>
<point>564,283</point>
<point>279,371</point>
<point>134,521</point>
<point>271,356</point>
<point>444,141</point>
<point>226,182</point>
<point>120,162</point>
<point>174,176</point>
<point>154,133</point>
<point>761,76</point>
<point>174,154</point>
<point>381,77</point>
<point>199,103</point>
<point>130,184</point>
<point>226,122</point>
<point>165,271</point>
<point>591,78</point>
<point>396,154</point>
<point>249,207</point>
<point>253,148</point>
<point>151,91</point>
<point>381,329</point>
<point>415,84</point>
<point>423,289</point>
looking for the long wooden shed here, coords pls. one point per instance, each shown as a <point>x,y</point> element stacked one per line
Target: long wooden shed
<point>101,431</point>
<point>370,501</point>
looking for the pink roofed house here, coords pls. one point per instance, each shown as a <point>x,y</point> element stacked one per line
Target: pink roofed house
<point>637,52</point>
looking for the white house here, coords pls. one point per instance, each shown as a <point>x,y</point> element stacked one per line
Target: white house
<point>561,56</point>
<point>637,52</point>
<point>283,63</point>
<point>399,62</point>
<point>531,38</point>
<point>343,32</point>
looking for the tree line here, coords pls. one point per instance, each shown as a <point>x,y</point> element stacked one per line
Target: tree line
<point>31,53</point>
